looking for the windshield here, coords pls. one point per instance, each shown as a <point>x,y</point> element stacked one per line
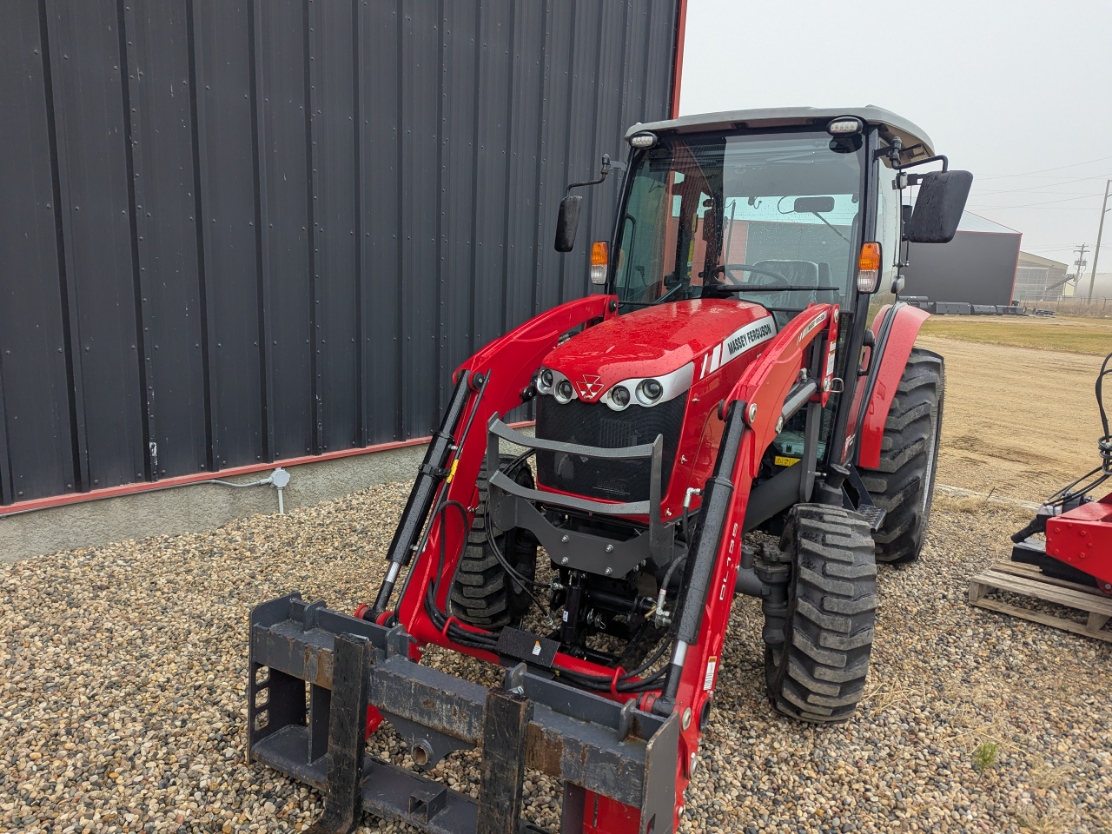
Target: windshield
<point>765,218</point>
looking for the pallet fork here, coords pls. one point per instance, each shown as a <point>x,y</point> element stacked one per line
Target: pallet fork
<point>314,672</point>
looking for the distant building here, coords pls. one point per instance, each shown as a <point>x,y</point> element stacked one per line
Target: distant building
<point>1038,278</point>
<point>977,267</point>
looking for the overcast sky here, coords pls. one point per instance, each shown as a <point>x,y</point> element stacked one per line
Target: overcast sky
<point>1007,90</point>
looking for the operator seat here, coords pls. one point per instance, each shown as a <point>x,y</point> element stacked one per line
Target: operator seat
<point>798,274</point>
<point>803,273</point>
<point>835,294</point>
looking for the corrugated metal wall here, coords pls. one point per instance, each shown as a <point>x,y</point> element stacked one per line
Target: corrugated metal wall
<point>234,231</point>
<point>975,267</point>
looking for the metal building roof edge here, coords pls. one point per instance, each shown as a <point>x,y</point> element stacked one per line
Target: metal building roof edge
<point>979,224</point>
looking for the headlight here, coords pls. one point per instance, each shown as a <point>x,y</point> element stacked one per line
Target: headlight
<point>544,381</point>
<point>564,391</point>
<point>649,391</point>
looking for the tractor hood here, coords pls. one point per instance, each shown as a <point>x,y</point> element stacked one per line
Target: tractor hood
<point>655,342</point>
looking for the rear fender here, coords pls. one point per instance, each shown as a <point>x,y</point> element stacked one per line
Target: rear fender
<point>896,328</point>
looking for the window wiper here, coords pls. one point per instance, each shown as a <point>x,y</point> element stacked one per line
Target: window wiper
<point>731,288</point>
<point>832,228</point>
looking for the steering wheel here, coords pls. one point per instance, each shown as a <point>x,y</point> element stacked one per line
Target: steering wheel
<point>737,282</point>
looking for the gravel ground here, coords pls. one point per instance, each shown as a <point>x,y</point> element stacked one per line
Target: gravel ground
<point>122,694</point>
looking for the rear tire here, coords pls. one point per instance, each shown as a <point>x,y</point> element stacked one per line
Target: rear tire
<point>483,594</point>
<point>903,485</point>
<point>815,666</point>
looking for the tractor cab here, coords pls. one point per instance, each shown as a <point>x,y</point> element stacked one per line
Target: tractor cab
<point>729,226</point>
<point>768,219</point>
<point>780,207</point>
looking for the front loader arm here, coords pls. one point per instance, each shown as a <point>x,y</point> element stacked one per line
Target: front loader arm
<point>770,390</point>
<point>496,378</point>
<point>319,681</point>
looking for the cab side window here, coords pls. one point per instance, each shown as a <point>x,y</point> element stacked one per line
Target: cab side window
<point>887,232</point>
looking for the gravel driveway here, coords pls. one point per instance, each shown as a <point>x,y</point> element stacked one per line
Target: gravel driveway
<point>122,706</point>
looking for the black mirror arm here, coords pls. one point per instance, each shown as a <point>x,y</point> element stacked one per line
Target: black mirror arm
<point>603,172</point>
<point>892,152</point>
<point>913,179</point>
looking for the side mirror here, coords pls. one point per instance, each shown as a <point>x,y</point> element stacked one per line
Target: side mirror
<point>938,208</point>
<point>568,222</point>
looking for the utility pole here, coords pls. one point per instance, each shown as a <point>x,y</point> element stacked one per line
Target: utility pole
<point>1079,263</point>
<point>1100,231</point>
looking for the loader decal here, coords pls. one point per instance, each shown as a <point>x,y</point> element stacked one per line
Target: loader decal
<point>708,678</point>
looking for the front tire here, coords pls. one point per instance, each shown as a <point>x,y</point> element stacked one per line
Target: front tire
<point>483,593</point>
<point>817,657</point>
<point>903,485</point>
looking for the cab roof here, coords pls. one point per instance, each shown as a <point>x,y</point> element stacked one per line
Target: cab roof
<point>914,140</point>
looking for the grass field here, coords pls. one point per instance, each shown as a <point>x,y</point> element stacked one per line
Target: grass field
<point>1073,335</point>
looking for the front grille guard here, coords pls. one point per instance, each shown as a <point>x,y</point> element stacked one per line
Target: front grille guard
<point>314,673</point>
<point>513,505</point>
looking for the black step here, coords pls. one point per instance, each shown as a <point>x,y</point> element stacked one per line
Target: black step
<point>873,515</point>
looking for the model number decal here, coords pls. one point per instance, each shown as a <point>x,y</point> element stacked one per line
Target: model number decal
<point>819,319</point>
<point>738,343</point>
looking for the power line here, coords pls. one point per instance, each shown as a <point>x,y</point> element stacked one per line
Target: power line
<point>1044,170</point>
<point>1096,249</point>
<point>1040,206</point>
<point>1051,202</point>
<point>1034,189</point>
<point>1037,187</point>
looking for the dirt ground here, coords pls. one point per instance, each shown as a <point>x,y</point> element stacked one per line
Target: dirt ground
<point>1018,422</point>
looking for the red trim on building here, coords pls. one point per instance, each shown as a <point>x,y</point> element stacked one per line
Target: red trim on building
<point>202,477</point>
<point>677,70</point>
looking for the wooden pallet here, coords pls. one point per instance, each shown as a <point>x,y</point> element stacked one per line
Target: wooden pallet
<point>1028,580</point>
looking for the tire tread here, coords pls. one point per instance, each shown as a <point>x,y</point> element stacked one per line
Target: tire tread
<point>818,673</point>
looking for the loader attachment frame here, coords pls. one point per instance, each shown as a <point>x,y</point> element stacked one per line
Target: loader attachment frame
<point>314,673</point>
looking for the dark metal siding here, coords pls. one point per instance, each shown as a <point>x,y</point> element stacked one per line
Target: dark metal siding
<point>975,267</point>
<point>237,231</point>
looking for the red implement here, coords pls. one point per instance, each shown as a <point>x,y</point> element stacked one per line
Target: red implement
<point>1082,538</point>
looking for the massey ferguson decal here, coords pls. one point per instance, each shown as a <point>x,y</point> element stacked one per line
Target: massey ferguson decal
<point>589,386</point>
<point>738,343</point>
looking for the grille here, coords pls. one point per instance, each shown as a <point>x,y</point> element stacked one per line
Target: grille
<point>595,424</point>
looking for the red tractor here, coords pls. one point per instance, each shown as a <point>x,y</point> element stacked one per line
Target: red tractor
<point>727,381</point>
